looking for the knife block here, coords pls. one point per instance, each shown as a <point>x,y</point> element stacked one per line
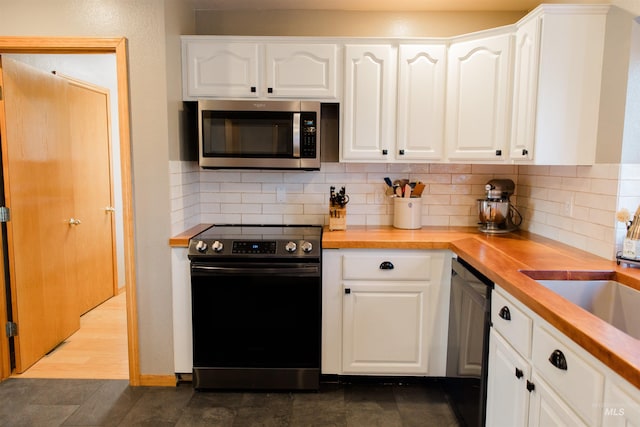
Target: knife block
<point>337,218</point>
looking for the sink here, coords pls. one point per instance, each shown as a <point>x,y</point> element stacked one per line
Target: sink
<point>597,292</point>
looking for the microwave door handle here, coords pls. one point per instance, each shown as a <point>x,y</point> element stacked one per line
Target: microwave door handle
<point>296,135</point>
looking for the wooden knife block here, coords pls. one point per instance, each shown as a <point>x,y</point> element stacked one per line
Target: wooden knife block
<point>337,218</point>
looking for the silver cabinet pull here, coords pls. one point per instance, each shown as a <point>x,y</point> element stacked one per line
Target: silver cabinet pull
<point>74,221</point>
<point>109,209</point>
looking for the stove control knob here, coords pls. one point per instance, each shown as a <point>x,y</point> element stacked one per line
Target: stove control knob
<point>291,247</point>
<point>307,247</point>
<point>217,246</point>
<point>201,246</point>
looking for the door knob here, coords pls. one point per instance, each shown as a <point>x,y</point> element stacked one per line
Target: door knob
<point>74,221</point>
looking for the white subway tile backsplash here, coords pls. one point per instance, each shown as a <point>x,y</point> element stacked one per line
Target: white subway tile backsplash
<point>573,204</point>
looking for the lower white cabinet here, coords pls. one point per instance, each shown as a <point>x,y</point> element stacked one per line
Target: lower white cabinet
<point>383,328</point>
<point>559,384</point>
<point>621,406</point>
<point>385,312</point>
<point>547,408</point>
<point>509,372</point>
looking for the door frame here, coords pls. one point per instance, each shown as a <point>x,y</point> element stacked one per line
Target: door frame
<point>118,46</point>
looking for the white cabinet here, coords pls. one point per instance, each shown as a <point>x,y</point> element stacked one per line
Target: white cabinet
<point>560,383</point>
<point>421,102</point>
<point>525,88</point>
<point>621,407</point>
<point>374,98</point>
<point>219,68</point>
<point>244,68</point>
<point>385,312</point>
<point>557,84</point>
<point>478,97</point>
<point>383,327</point>
<point>368,120</point>
<point>547,408</point>
<point>301,70</point>
<point>508,374</point>
<point>181,292</point>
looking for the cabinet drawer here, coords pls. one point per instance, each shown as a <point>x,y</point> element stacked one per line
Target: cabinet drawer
<point>512,323</point>
<point>387,267</point>
<point>579,383</point>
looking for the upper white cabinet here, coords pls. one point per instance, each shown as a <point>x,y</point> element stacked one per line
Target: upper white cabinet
<point>217,68</point>
<point>557,84</point>
<point>240,68</point>
<point>421,101</point>
<point>368,126</point>
<point>479,97</point>
<point>301,70</point>
<point>384,82</point>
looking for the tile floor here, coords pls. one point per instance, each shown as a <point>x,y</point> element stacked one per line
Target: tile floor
<point>61,402</point>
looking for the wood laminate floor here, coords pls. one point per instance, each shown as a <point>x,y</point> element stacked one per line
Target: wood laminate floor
<point>98,350</point>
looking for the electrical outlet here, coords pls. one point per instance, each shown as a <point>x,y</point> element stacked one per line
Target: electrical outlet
<point>568,207</point>
<point>281,194</point>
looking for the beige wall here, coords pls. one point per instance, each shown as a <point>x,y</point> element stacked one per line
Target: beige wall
<point>348,23</point>
<point>152,84</point>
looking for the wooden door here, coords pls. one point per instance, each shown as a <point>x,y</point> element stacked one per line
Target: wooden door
<point>38,183</point>
<point>94,254</point>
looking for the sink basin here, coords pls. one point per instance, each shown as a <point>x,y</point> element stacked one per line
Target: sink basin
<point>598,293</point>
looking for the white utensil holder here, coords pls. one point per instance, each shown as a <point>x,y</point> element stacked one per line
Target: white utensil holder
<point>407,212</point>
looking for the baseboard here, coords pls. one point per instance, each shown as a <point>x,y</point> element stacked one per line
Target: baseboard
<point>158,380</point>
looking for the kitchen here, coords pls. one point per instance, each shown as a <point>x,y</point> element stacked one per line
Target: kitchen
<point>153,35</point>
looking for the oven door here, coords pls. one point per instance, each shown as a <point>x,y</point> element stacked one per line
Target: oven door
<point>256,325</point>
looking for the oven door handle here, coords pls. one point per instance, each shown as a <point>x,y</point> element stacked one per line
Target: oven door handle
<point>256,269</point>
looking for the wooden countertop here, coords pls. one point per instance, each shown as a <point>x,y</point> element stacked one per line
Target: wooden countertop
<point>501,257</point>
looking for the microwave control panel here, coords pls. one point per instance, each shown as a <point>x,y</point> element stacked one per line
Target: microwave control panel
<point>308,140</point>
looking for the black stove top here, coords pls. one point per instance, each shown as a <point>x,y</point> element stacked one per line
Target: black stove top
<point>237,241</point>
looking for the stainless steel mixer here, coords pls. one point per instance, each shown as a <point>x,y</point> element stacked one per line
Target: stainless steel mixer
<point>496,213</point>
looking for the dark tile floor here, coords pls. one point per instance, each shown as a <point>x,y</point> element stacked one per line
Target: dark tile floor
<point>48,402</point>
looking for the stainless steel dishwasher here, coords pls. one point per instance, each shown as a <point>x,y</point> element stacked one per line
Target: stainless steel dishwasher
<point>468,344</point>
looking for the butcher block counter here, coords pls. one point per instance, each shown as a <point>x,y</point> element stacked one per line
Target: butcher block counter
<point>501,257</point>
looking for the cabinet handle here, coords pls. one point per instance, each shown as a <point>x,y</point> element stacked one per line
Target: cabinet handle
<point>401,152</point>
<point>385,152</point>
<point>270,90</point>
<point>525,151</point>
<point>347,291</point>
<point>519,373</point>
<point>504,313</point>
<point>253,89</point>
<point>386,265</point>
<point>498,152</point>
<point>558,360</point>
<point>530,386</point>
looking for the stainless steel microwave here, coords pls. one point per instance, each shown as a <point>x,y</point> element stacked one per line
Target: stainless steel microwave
<point>259,134</point>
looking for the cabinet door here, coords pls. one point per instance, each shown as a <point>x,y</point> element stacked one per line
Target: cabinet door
<point>384,328</point>
<point>525,89</point>
<point>548,409</point>
<point>478,98</point>
<point>214,68</point>
<point>507,394</point>
<point>369,102</point>
<point>421,102</point>
<point>301,70</point>
<point>621,405</point>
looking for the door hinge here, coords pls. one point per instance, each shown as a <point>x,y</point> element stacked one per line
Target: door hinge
<point>12,329</point>
<point>5,214</point>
